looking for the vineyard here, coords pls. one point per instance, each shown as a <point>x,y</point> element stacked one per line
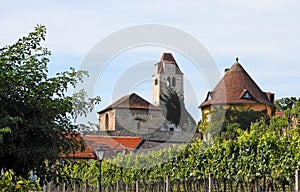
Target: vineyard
<point>260,159</point>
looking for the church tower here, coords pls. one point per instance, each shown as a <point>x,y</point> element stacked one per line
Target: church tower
<point>166,74</point>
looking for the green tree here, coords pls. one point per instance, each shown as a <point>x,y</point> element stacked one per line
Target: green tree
<point>172,103</point>
<point>245,116</point>
<point>175,111</point>
<point>35,107</point>
<point>285,103</point>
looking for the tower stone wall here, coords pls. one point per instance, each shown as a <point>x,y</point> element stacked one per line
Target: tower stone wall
<point>166,74</point>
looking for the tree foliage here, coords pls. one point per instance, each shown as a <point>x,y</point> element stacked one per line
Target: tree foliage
<point>35,107</point>
<point>172,104</point>
<point>285,103</point>
<point>228,121</point>
<point>175,111</point>
<point>259,155</point>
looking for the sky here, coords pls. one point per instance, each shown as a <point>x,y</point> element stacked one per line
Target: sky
<point>263,34</point>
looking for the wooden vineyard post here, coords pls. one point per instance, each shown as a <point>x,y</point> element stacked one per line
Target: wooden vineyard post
<point>168,184</point>
<point>210,183</point>
<point>297,181</point>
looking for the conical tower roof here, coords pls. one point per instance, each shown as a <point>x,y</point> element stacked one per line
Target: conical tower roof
<point>237,87</point>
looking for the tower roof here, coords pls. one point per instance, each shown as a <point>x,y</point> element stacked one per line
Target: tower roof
<point>167,58</point>
<point>131,101</point>
<point>237,87</point>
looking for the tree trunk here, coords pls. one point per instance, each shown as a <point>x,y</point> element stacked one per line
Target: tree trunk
<point>224,185</point>
<point>137,186</point>
<point>230,186</point>
<point>178,185</point>
<point>237,186</point>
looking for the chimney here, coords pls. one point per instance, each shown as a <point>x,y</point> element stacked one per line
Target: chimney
<point>226,69</point>
<point>271,97</point>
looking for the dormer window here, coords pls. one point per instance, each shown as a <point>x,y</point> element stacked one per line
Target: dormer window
<point>246,95</point>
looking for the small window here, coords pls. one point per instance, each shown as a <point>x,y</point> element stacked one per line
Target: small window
<point>106,122</point>
<point>173,82</point>
<point>168,81</point>
<point>247,95</point>
<point>155,82</point>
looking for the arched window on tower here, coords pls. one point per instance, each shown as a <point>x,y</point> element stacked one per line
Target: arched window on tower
<point>106,122</point>
<point>173,82</point>
<point>168,81</point>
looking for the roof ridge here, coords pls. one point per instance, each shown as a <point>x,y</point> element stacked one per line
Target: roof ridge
<point>127,101</point>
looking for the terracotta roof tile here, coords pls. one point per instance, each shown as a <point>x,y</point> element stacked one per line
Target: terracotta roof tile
<point>88,153</point>
<point>235,83</point>
<point>113,143</point>
<point>279,113</point>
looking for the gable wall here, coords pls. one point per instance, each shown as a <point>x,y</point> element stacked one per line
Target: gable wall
<point>137,120</point>
<point>111,121</point>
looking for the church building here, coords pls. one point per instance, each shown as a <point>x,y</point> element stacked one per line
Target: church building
<point>130,112</point>
<point>133,113</point>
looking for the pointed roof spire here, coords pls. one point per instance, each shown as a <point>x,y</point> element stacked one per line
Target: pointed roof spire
<point>168,58</point>
<point>237,60</point>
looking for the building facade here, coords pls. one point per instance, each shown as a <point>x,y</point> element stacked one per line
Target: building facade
<point>132,113</point>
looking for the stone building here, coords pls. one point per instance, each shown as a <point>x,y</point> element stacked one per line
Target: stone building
<point>237,89</point>
<point>132,113</point>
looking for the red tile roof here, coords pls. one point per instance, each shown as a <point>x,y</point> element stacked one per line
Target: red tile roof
<point>233,86</point>
<point>132,101</point>
<point>88,153</point>
<point>279,113</point>
<point>114,143</point>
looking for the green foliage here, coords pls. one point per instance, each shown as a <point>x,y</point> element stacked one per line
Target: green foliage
<point>171,103</point>
<point>174,110</point>
<point>10,182</point>
<point>258,154</point>
<point>245,116</point>
<point>226,122</point>
<point>3,130</point>
<point>285,103</point>
<point>35,107</point>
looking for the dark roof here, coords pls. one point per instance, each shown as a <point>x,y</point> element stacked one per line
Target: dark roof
<point>169,59</point>
<point>132,101</point>
<point>237,87</point>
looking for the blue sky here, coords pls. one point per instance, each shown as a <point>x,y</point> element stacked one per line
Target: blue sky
<point>264,34</point>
